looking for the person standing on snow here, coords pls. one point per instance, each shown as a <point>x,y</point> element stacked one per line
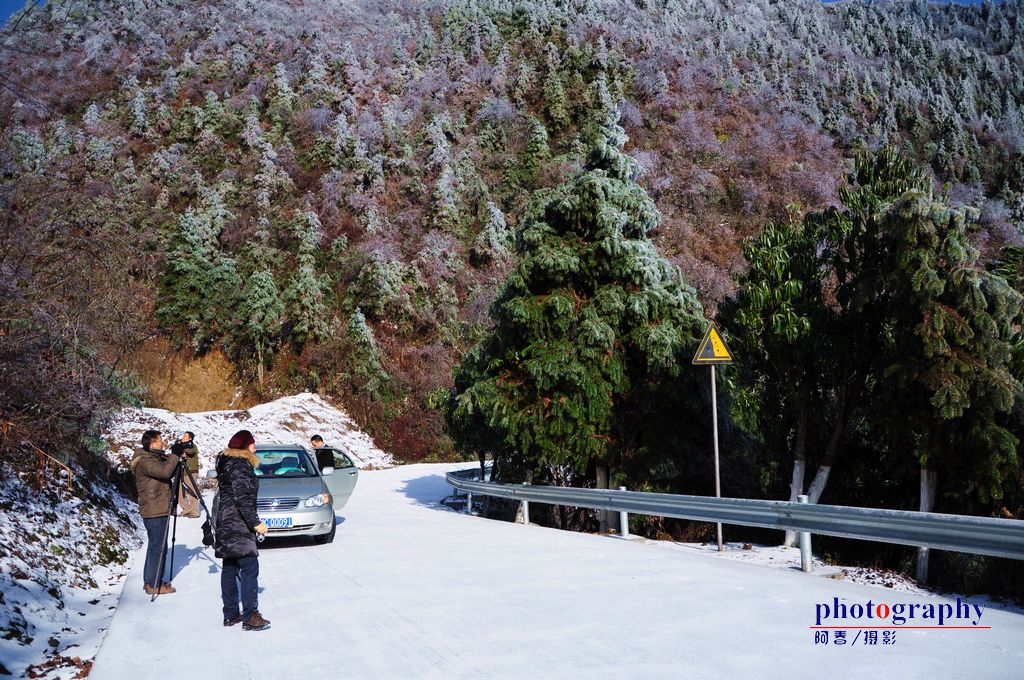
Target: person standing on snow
<point>154,470</point>
<point>188,498</point>
<point>237,526</point>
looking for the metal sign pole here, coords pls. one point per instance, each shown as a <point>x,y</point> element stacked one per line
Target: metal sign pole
<point>713,351</point>
<point>714,426</point>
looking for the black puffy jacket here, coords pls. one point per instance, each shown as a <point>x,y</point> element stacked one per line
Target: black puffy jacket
<point>236,512</point>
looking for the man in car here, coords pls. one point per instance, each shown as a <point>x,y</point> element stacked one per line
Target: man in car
<point>324,457</point>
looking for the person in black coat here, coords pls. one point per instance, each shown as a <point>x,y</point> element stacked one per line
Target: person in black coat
<point>237,526</point>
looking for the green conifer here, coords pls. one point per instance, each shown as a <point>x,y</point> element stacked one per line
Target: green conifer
<point>588,362</point>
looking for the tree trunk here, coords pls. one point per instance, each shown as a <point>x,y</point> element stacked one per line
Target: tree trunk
<point>614,523</point>
<point>825,469</point>
<point>847,401</point>
<point>602,483</point>
<point>259,364</point>
<point>796,487</point>
<point>519,510</point>
<point>928,486</point>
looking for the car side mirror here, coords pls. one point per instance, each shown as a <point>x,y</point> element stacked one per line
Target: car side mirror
<point>211,474</point>
<point>327,471</point>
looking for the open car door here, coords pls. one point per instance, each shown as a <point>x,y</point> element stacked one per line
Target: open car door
<point>343,480</point>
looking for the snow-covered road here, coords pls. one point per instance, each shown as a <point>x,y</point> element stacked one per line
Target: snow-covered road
<point>412,590</point>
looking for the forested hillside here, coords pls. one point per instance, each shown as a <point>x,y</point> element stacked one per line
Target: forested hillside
<point>333,193</point>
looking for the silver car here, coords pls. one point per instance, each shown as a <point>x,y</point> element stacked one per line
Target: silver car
<point>299,492</point>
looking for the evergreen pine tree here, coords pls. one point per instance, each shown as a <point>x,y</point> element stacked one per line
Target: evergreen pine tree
<point>200,284</point>
<point>305,298</point>
<point>446,215</point>
<point>259,313</point>
<point>282,101</point>
<point>367,374</point>
<point>537,151</point>
<point>585,364</point>
<point>556,103</point>
<point>494,240</point>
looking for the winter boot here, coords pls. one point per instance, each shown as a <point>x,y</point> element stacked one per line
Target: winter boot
<point>165,589</point>
<point>232,620</point>
<point>255,622</point>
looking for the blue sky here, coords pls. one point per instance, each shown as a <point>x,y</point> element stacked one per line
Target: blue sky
<point>9,7</point>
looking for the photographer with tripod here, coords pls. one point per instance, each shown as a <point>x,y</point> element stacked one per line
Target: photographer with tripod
<point>154,472</point>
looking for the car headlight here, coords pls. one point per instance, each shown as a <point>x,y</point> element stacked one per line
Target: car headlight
<point>318,501</point>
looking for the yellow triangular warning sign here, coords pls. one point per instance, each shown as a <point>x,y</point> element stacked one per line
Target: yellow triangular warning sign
<point>712,349</point>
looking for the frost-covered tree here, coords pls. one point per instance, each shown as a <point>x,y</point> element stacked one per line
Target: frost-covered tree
<point>282,100</point>
<point>91,117</point>
<point>260,313</point>
<point>583,366</point>
<point>556,103</point>
<point>140,122</point>
<point>446,214</point>
<point>200,284</point>
<point>437,136</point>
<point>305,298</point>
<point>380,289</point>
<point>495,240</point>
<point>537,151</point>
<point>306,304</point>
<point>270,178</point>
<point>366,374</point>
<point>29,150</point>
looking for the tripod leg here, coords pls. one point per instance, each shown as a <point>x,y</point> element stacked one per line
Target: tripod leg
<point>176,491</point>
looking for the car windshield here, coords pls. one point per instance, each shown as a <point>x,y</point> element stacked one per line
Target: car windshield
<point>287,463</point>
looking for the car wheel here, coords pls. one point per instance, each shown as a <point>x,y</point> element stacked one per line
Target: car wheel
<point>326,538</point>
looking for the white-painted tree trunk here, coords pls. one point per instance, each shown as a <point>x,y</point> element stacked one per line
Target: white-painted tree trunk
<point>795,489</point>
<point>818,485</point>
<point>928,485</point>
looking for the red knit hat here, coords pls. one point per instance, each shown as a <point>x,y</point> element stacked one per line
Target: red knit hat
<point>241,440</point>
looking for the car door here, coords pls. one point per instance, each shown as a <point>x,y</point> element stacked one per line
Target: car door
<point>346,474</point>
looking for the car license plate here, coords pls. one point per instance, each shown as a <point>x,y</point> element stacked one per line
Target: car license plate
<point>277,522</point>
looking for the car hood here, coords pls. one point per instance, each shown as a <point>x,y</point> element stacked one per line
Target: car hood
<point>303,487</point>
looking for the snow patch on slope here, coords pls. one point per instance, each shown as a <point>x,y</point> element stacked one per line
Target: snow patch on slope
<point>289,420</point>
<point>63,559</point>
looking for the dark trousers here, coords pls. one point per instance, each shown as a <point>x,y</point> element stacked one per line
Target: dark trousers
<point>156,528</point>
<point>235,570</point>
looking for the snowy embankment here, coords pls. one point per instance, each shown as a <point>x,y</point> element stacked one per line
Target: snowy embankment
<point>289,420</point>
<point>63,558</point>
<point>410,589</point>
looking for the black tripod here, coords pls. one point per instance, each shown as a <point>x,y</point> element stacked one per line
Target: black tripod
<point>176,489</point>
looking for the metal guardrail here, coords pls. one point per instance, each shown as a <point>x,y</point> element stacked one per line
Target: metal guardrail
<point>960,533</point>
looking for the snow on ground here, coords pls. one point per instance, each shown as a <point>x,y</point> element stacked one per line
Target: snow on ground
<point>63,558</point>
<point>410,589</point>
<point>289,420</point>
<point>782,557</point>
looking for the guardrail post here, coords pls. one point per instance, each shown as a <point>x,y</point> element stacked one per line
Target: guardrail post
<point>805,542</point>
<point>469,503</point>
<point>623,520</point>
<point>526,509</point>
